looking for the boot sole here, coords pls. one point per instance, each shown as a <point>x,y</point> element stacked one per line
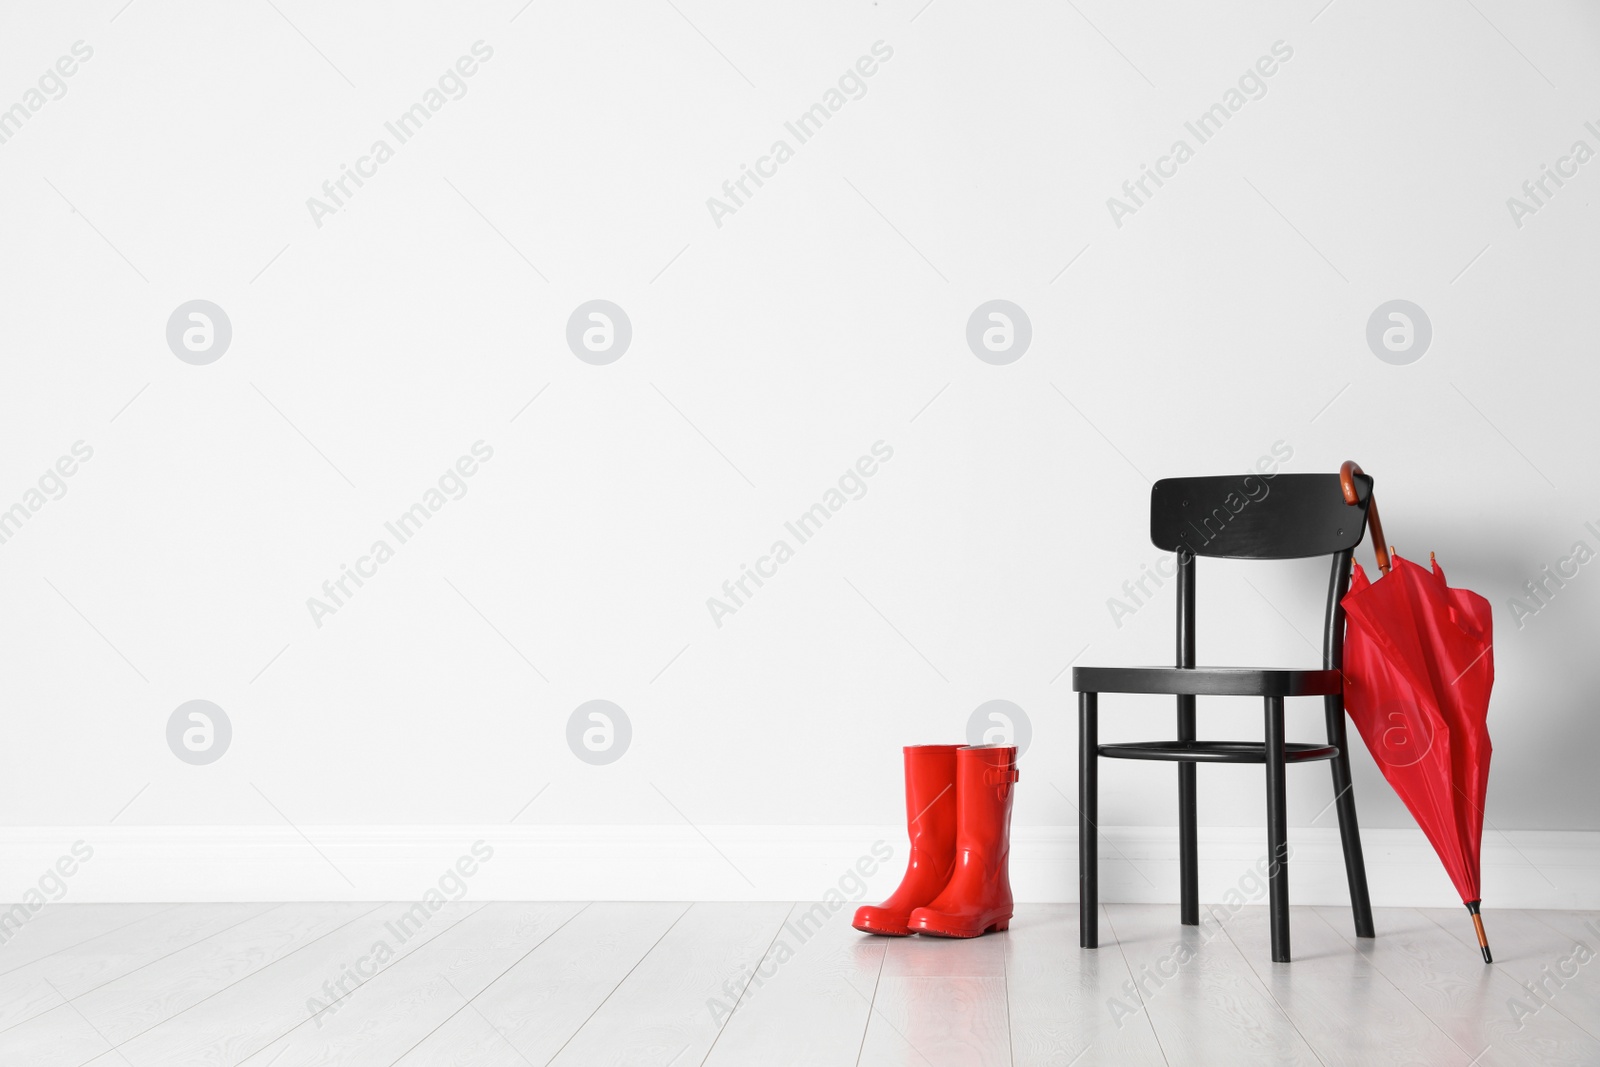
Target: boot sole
<point>994,927</point>
<point>897,932</point>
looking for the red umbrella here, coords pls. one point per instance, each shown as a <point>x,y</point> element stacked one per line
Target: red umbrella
<point>1419,665</point>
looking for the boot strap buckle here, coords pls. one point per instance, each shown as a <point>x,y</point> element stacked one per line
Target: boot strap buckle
<point>1002,777</point>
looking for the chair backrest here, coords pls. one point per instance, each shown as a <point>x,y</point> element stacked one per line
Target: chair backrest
<point>1251,516</point>
<point>1247,516</point>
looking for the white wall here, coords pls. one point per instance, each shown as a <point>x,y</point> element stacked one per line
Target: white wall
<point>1227,315</point>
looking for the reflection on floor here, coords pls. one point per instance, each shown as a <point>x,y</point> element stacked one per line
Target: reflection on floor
<point>764,984</point>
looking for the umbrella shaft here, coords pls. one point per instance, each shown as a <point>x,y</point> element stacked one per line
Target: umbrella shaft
<point>1477,924</point>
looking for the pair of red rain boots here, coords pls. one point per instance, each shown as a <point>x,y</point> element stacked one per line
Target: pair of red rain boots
<point>958,814</point>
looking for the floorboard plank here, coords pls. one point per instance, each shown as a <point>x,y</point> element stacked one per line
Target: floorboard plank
<point>808,1001</point>
<point>1204,1001</point>
<point>71,1034</point>
<point>1345,1008</point>
<point>535,1008</point>
<point>58,1038</point>
<point>1577,928</point>
<point>129,1006</point>
<point>74,971</point>
<point>1466,999</point>
<point>1060,995</point>
<point>659,1013</point>
<point>387,1015</point>
<point>1558,970</point>
<point>940,1000</point>
<point>59,926</point>
<point>947,1020</point>
<point>228,1027</point>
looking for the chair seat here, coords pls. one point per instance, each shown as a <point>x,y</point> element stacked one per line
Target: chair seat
<point>1214,751</point>
<point>1206,681</point>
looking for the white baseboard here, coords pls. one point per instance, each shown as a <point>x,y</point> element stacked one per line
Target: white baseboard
<point>1523,868</point>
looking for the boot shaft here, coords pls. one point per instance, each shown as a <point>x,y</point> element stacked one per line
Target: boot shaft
<point>985,775</point>
<point>931,795</point>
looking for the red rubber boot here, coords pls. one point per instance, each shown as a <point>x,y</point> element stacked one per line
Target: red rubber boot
<point>931,824</point>
<point>978,896</point>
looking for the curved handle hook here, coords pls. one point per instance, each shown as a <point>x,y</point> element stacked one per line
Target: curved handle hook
<point>1347,483</point>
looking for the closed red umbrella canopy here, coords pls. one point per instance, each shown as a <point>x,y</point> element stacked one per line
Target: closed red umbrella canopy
<point>1419,667</point>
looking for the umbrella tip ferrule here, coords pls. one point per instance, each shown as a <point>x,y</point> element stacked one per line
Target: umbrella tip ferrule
<point>1477,923</point>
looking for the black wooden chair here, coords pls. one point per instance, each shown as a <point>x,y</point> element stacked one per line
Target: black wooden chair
<point>1289,516</point>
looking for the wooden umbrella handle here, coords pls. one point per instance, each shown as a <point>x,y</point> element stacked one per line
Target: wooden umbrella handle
<point>1347,482</point>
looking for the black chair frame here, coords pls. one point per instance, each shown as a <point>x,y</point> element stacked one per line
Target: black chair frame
<point>1284,517</point>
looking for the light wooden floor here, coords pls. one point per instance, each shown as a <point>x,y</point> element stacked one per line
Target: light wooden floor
<point>514,984</point>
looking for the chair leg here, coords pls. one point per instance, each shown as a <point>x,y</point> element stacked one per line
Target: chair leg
<point>1188,846</point>
<point>1088,820</point>
<point>1277,832</point>
<point>1355,867</point>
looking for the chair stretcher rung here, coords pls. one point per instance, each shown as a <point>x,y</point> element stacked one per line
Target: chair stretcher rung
<point>1214,751</point>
